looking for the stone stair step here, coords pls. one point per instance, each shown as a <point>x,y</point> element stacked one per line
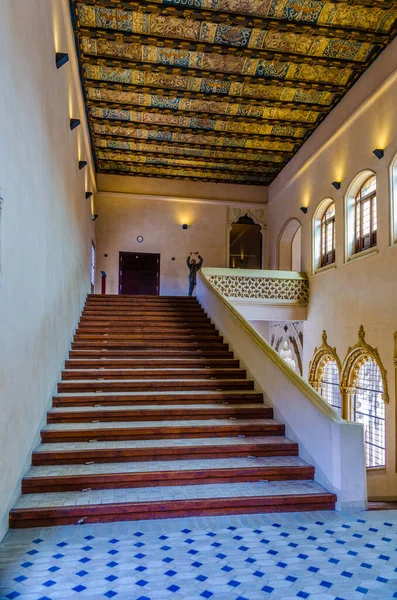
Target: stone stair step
<point>152,318</point>
<point>159,384</point>
<point>63,508</point>
<point>162,449</point>
<point>137,327</point>
<point>62,478</point>
<point>149,373</point>
<point>115,430</point>
<point>212,336</point>
<point>108,363</point>
<point>158,397</point>
<point>152,353</point>
<point>148,344</point>
<point>139,413</point>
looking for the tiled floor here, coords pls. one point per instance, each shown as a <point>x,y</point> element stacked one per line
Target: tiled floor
<point>319,556</point>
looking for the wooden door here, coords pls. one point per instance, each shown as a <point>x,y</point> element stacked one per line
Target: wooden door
<point>139,274</point>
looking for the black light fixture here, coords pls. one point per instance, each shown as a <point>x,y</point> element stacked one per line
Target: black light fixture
<point>379,153</point>
<point>88,195</point>
<point>82,164</point>
<point>74,123</point>
<point>184,226</point>
<point>94,217</point>
<point>304,209</point>
<point>336,185</point>
<point>61,58</point>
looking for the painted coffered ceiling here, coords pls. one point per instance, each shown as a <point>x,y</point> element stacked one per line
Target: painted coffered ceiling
<point>218,90</point>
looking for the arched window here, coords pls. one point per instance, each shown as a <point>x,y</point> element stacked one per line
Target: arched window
<point>369,409</point>
<point>330,385</point>
<point>366,222</point>
<point>328,236</point>
<point>324,373</point>
<point>324,234</point>
<point>364,394</point>
<point>361,214</point>
<point>393,197</point>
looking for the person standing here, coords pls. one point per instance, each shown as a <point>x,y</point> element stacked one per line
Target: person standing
<point>193,267</point>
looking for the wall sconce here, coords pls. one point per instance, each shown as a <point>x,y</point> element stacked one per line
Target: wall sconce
<point>304,209</point>
<point>379,153</point>
<point>74,123</point>
<point>94,217</point>
<point>61,58</point>
<point>336,185</point>
<point>88,195</point>
<point>82,164</point>
<point>184,226</point>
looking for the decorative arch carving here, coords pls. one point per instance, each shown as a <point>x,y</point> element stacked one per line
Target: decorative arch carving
<point>356,357</point>
<point>259,217</point>
<point>321,356</point>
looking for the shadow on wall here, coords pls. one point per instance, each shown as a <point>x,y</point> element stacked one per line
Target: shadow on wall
<point>290,247</point>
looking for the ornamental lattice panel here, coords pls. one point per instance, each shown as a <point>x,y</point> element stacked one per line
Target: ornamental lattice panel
<point>264,288</point>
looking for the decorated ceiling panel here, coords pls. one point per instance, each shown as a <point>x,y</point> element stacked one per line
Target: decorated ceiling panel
<point>218,90</point>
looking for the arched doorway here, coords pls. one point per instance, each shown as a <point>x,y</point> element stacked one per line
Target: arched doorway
<point>245,244</point>
<point>290,247</point>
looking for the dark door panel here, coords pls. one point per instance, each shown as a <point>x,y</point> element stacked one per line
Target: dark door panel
<point>139,274</point>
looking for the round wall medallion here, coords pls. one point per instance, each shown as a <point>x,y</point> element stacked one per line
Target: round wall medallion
<point>139,239</point>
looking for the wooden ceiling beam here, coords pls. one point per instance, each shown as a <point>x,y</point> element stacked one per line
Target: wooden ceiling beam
<point>92,102</point>
<point>240,20</point>
<point>256,168</point>
<point>212,48</point>
<point>197,131</point>
<point>193,159</point>
<point>218,174</point>
<point>321,86</point>
<point>102,171</point>
<point>237,149</point>
<point>285,155</point>
<point>245,100</point>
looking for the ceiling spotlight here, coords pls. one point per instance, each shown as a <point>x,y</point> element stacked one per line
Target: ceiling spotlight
<point>88,195</point>
<point>74,123</point>
<point>82,164</point>
<point>379,153</point>
<point>61,58</point>
<point>336,185</point>
<point>304,209</point>
<point>94,217</point>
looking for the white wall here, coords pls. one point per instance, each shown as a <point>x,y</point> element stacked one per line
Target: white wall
<point>46,227</point>
<point>121,220</point>
<point>362,291</point>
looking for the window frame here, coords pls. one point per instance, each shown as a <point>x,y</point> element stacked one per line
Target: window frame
<point>327,258</point>
<point>360,241</point>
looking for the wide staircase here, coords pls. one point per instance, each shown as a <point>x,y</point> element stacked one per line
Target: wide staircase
<point>154,418</point>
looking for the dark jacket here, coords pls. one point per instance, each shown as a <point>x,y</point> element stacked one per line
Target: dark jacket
<point>193,268</point>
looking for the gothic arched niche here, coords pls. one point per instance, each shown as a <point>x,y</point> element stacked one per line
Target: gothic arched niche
<point>245,244</point>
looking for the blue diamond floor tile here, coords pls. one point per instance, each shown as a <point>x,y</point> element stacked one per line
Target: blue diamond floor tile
<point>339,556</point>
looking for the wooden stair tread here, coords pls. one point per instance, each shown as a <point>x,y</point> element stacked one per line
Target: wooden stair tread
<point>187,444</point>
<point>165,408</point>
<point>161,424</point>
